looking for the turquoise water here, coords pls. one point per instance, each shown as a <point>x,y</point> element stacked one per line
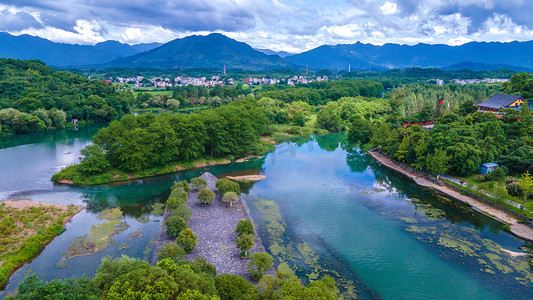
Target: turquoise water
<point>324,208</point>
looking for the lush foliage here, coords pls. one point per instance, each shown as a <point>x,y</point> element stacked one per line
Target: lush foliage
<point>206,196</point>
<point>34,97</point>
<point>171,250</point>
<point>198,183</point>
<point>259,263</point>
<point>187,239</point>
<point>137,143</point>
<point>232,287</point>
<point>244,227</point>
<point>175,225</point>
<point>319,93</point>
<point>245,242</point>
<point>129,278</point>
<point>226,185</point>
<point>230,198</point>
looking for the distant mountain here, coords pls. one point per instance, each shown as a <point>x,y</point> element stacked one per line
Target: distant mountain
<point>62,55</point>
<point>145,47</point>
<point>473,66</point>
<point>211,51</point>
<point>361,56</point>
<point>281,54</point>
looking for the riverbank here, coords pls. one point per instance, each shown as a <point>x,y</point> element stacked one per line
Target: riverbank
<point>117,176</point>
<point>26,228</point>
<point>520,230</point>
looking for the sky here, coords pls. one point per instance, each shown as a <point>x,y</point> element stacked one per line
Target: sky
<point>293,26</point>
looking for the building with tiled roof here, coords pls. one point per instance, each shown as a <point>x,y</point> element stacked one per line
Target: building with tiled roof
<point>499,101</point>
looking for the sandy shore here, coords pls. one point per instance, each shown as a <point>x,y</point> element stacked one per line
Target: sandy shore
<point>247,178</point>
<point>520,230</point>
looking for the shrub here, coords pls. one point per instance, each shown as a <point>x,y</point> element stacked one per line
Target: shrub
<point>183,184</point>
<point>225,185</point>
<point>183,211</point>
<point>177,196</point>
<point>200,265</point>
<point>294,130</point>
<point>259,264</point>
<point>498,174</point>
<point>171,250</point>
<point>244,227</point>
<point>230,197</point>
<point>245,242</point>
<point>198,183</point>
<point>187,239</point>
<point>230,286</point>
<point>206,196</point>
<point>175,225</point>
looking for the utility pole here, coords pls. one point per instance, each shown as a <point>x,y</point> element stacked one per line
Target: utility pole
<point>224,69</point>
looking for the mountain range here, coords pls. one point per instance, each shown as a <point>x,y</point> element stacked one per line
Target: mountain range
<point>211,51</point>
<point>216,50</point>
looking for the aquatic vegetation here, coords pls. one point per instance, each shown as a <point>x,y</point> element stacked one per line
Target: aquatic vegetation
<point>135,235</point>
<point>291,254</point>
<point>99,236</point>
<point>158,209</point>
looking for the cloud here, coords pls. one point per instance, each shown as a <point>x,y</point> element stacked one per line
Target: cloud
<point>17,20</point>
<point>291,25</point>
<point>388,8</point>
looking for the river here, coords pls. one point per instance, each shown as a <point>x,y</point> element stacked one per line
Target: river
<point>323,209</point>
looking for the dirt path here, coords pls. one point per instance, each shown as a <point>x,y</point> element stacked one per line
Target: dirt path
<point>520,230</point>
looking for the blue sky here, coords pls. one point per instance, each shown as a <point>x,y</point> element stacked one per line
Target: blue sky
<point>294,26</point>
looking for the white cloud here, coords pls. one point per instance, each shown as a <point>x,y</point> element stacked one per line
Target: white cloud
<point>388,8</point>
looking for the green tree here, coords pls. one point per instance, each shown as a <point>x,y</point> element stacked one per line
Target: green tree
<point>58,117</point>
<point>244,227</point>
<point>175,225</point>
<point>94,160</point>
<point>198,183</point>
<point>245,242</point>
<point>182,184</point>
<point>187,239</point>
<point>526,184</point>
<point>230,287</point>
<point>225,185</point>
<point>230,197</point>
<point>259,263</point>
<point>402,150</point>
<point>206,196</point>
<point>171,250</point>
<point>438,161</point>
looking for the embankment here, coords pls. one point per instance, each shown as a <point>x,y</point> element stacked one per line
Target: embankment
<point>520,230</point>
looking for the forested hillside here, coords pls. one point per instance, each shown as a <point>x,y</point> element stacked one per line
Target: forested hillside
<point>34,97</point>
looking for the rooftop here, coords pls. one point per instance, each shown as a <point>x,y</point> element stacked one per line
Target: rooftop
<point>499,100</point>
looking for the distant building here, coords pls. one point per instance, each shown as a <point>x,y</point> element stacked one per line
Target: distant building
<point>499,101</point>
<point>487,168</point>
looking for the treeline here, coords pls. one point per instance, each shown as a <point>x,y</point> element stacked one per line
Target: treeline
<point>397,77</point>
<point>34,97</point>
<point>419,102</point>
<point>128,278</point>
<point>319,93</point>
<point>141,142</point>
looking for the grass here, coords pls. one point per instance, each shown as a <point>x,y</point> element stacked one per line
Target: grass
<point>25,231</point>
<point>115,175</point>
